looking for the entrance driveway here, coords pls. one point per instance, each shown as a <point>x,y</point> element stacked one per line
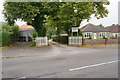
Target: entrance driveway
<point>24,49</point>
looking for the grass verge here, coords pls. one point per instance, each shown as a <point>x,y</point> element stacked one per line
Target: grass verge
<point>94,45</point>
<point>3,48</point>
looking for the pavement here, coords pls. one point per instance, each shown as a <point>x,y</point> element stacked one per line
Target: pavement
<point>60,61</point>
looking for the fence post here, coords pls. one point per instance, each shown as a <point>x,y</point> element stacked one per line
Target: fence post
<point>106,41</point>
<point>83,41</point>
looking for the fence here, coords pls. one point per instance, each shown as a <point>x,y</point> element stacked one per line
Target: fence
<point>41,41</point>
<point>100,41</point>
<point>75,40</point>
<point>80,41</point>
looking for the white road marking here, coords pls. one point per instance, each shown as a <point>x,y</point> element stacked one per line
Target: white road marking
<point>23,77</point>
<point>94,65</point>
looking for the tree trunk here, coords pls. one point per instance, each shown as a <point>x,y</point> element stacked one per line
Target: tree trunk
<point>58,33</point>
<point>38,25</point>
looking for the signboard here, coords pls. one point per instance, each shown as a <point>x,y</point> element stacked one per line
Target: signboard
<point>75,40</point>
<point>41,41</point>
<point>74,29</point>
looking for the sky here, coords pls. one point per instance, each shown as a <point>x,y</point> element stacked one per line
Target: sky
<point>112,17</point>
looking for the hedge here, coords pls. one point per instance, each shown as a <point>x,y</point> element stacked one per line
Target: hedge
<point>8,34</point>
<point>5,38</point>
<point>63,39</point>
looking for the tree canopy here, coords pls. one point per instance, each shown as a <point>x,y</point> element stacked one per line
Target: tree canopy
<point>60,15</point>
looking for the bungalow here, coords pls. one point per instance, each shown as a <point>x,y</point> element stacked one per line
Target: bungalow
<point>26,33</point>
<point>95,32</point>
<point>114,31</point>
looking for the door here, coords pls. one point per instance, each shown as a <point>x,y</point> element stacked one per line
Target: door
<point>95,36</point>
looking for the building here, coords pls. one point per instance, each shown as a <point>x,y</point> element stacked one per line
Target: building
<point>114,31</point>
<point>26,33</point>
<point>95,32</point>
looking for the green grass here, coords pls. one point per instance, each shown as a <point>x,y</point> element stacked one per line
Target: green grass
<point>0,49</point>
<point>3,48</point>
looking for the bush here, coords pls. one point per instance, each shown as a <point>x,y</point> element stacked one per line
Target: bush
<point>79,33</point>
<point>5,38</point>
<point>15,33</point>
<point>9,34</point>
<point>33,43</point>
<point>90,37</point>
<point>35,34</point>
<point>104,37</point>
<point>5,27</point>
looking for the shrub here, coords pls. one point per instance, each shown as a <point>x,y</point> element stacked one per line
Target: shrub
<point>90,37</point>
<point>79,33</point>
<point>8,34</point>
<point>35,34</point>
<point>5,38</point>
<point>15,33</point>
<point>33,43</point>
<point>104,37</point>
<point>5,27</point>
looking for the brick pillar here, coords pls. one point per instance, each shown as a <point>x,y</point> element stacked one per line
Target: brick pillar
<point>83,41</point>
<point>106,41</point>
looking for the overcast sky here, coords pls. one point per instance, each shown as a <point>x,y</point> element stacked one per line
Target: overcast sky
<point>112,17</point>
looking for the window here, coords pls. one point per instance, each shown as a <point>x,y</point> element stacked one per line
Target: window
<point>87,34</point>
<point>116,35</point>
<point>101,34</point>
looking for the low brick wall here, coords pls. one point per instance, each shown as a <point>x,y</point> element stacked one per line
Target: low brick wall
<point>100,41</point>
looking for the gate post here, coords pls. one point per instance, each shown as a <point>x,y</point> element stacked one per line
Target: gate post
<point>106,41</point>
<point>83,41</point>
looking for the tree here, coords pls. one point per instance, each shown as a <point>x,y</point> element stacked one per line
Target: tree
<point>61,14</point>
<point>100,25</point>
<point>5,27</point>
<point>84,10</point>
<point>35,34</point>
<point>32,13</point>
<point>115,25</point>
<point>53,18</point>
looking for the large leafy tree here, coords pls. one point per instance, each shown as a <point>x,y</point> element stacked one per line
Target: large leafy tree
<point>32,13</point>
<point>73,14</point>
<point>69,14</point>
<point>60,15</point>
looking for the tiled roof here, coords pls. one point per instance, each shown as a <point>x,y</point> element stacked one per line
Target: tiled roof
<point>26,27</point>
<point>113,29</point>
<point>92,28</point>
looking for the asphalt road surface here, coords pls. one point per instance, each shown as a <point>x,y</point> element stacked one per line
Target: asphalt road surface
<point>62,61</point>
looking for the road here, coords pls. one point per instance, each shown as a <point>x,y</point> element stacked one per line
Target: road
<point>64,62</point>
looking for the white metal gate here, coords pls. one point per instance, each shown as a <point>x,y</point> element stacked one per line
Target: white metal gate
<point>75,40</point>
<point>41,41</point>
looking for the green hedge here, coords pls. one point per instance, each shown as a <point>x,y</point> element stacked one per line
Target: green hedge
<point>14,33</point>
<point>8,34</point>
<point>5,38</point>
<point>63,39</point>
